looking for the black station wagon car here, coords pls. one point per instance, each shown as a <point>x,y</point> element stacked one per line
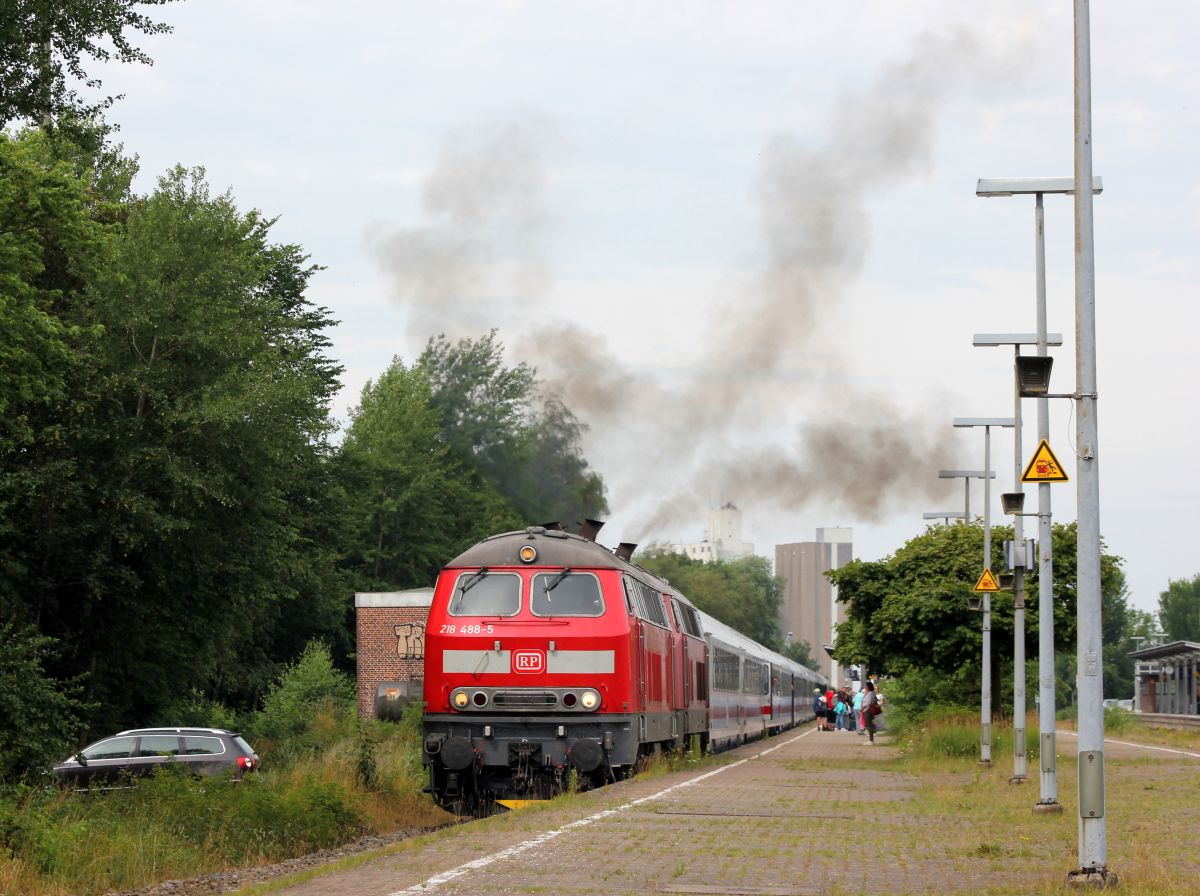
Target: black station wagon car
<point>202,751</point>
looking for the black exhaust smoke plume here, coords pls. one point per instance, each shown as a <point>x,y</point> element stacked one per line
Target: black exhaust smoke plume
<point>856,453</point>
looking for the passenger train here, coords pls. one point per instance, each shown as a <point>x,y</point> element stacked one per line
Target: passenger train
<point>547,654</point>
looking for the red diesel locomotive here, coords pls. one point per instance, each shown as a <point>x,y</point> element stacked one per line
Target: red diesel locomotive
<point>546,652</point>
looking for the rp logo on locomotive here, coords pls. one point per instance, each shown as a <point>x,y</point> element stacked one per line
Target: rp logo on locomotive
<point>529,661</point>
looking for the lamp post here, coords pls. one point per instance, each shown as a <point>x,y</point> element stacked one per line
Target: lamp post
<point>1038,187</point>
<point>985,709</point>
<point>966,476</point>
<point>1020,761</point>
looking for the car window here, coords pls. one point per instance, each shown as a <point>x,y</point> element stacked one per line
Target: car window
<point>113,748</point>
<point>242,745</point>
<point>575,594</point>
<point>198,745</point>
<point>490,595</point>
<point>158,745</point>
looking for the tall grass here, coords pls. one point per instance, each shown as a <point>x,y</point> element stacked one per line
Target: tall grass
<point>170,826</point>
<point>326,779</point>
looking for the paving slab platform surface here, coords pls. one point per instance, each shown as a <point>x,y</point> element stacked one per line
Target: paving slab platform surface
<point>804,813</point>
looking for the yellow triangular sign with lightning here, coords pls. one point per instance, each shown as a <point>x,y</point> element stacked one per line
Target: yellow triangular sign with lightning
<point>1044,467</point>
<point>987,582</point>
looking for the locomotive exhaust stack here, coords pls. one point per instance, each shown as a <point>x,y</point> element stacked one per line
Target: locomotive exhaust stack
<point>625,550</point>
<point>590,529</point>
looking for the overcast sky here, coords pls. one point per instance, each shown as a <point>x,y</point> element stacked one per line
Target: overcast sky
<point>742,240</point>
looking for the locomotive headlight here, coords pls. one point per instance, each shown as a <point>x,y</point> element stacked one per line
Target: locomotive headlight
<point>460,699</point>
<point>528,553</point>
<point>589,699</point>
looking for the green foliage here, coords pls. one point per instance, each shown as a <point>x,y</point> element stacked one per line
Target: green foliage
<point>414,506</point>
<point>174,826</point>
<point>38,715</point>
<point>908,612</point>
<point>799,652</point>
<point>1118,721</point>
<point>742,593</point>
<point>1179,609</point>
<point>42,46</point>
<point>307,707</point>
<point>168,459</point>
<point>526,445</point>
<point>195,709</point>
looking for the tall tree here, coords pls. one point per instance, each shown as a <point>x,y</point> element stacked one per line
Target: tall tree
<point>42,42</point>
<point>527,445</point>
<point>52,245</point>
<point>178,507</point>
<point>415,506</point>
<point>907,613</point>
<point>742,593</point>
<point>1179,609</point>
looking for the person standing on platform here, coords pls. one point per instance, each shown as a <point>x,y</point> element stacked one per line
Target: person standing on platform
<point>870,704</point>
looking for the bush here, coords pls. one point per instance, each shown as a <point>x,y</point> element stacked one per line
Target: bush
<point>1118,720</point>
<point>310,706</point>
<point>38,714</point>
<point>197,710</point>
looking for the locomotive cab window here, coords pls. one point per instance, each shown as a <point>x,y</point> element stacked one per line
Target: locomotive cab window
<point>572,594</point>
<point>486,594</point>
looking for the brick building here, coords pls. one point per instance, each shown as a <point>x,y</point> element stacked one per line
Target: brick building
<point>390,629</point>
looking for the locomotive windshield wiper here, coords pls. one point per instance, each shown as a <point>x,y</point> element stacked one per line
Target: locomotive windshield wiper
<point>467,586</point>
<point>554,582</point>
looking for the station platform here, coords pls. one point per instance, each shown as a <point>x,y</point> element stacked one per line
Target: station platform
<point>804,813</point>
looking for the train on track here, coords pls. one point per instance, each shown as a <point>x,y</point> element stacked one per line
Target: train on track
<point>550,658</point>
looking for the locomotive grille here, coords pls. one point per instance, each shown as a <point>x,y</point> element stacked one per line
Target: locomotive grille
<point>524,698</point>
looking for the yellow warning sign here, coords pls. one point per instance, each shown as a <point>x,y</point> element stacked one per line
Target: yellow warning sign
<point>987,582</point>
<point>1044,467</point>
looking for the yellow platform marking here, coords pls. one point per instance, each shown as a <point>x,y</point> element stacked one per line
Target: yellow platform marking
<point>518,804</point>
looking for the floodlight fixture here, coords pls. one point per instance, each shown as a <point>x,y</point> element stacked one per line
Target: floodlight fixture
<point>1006,580</point>
<point>1012,502</point>
<point>1033,375</point>
<point>975,602</point>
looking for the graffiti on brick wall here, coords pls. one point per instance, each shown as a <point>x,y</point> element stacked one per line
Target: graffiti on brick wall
<point>410,641</point>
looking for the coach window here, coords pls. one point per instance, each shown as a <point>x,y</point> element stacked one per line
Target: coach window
<point>575,594</point>
<point>754,678</point>
<point>725,670</point>
<point>486,594</point>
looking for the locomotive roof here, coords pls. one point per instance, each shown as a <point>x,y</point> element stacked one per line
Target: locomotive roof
<point>555,548</point>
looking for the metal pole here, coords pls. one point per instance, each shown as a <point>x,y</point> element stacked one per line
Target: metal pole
<point>967,499</point>
<point>1047,747</point>
<point>985,703</point>
<point>1019,762</point>
<point>1093,832</point>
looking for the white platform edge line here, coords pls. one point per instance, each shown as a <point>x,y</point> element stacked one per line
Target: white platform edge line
<point>1125,743</point>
